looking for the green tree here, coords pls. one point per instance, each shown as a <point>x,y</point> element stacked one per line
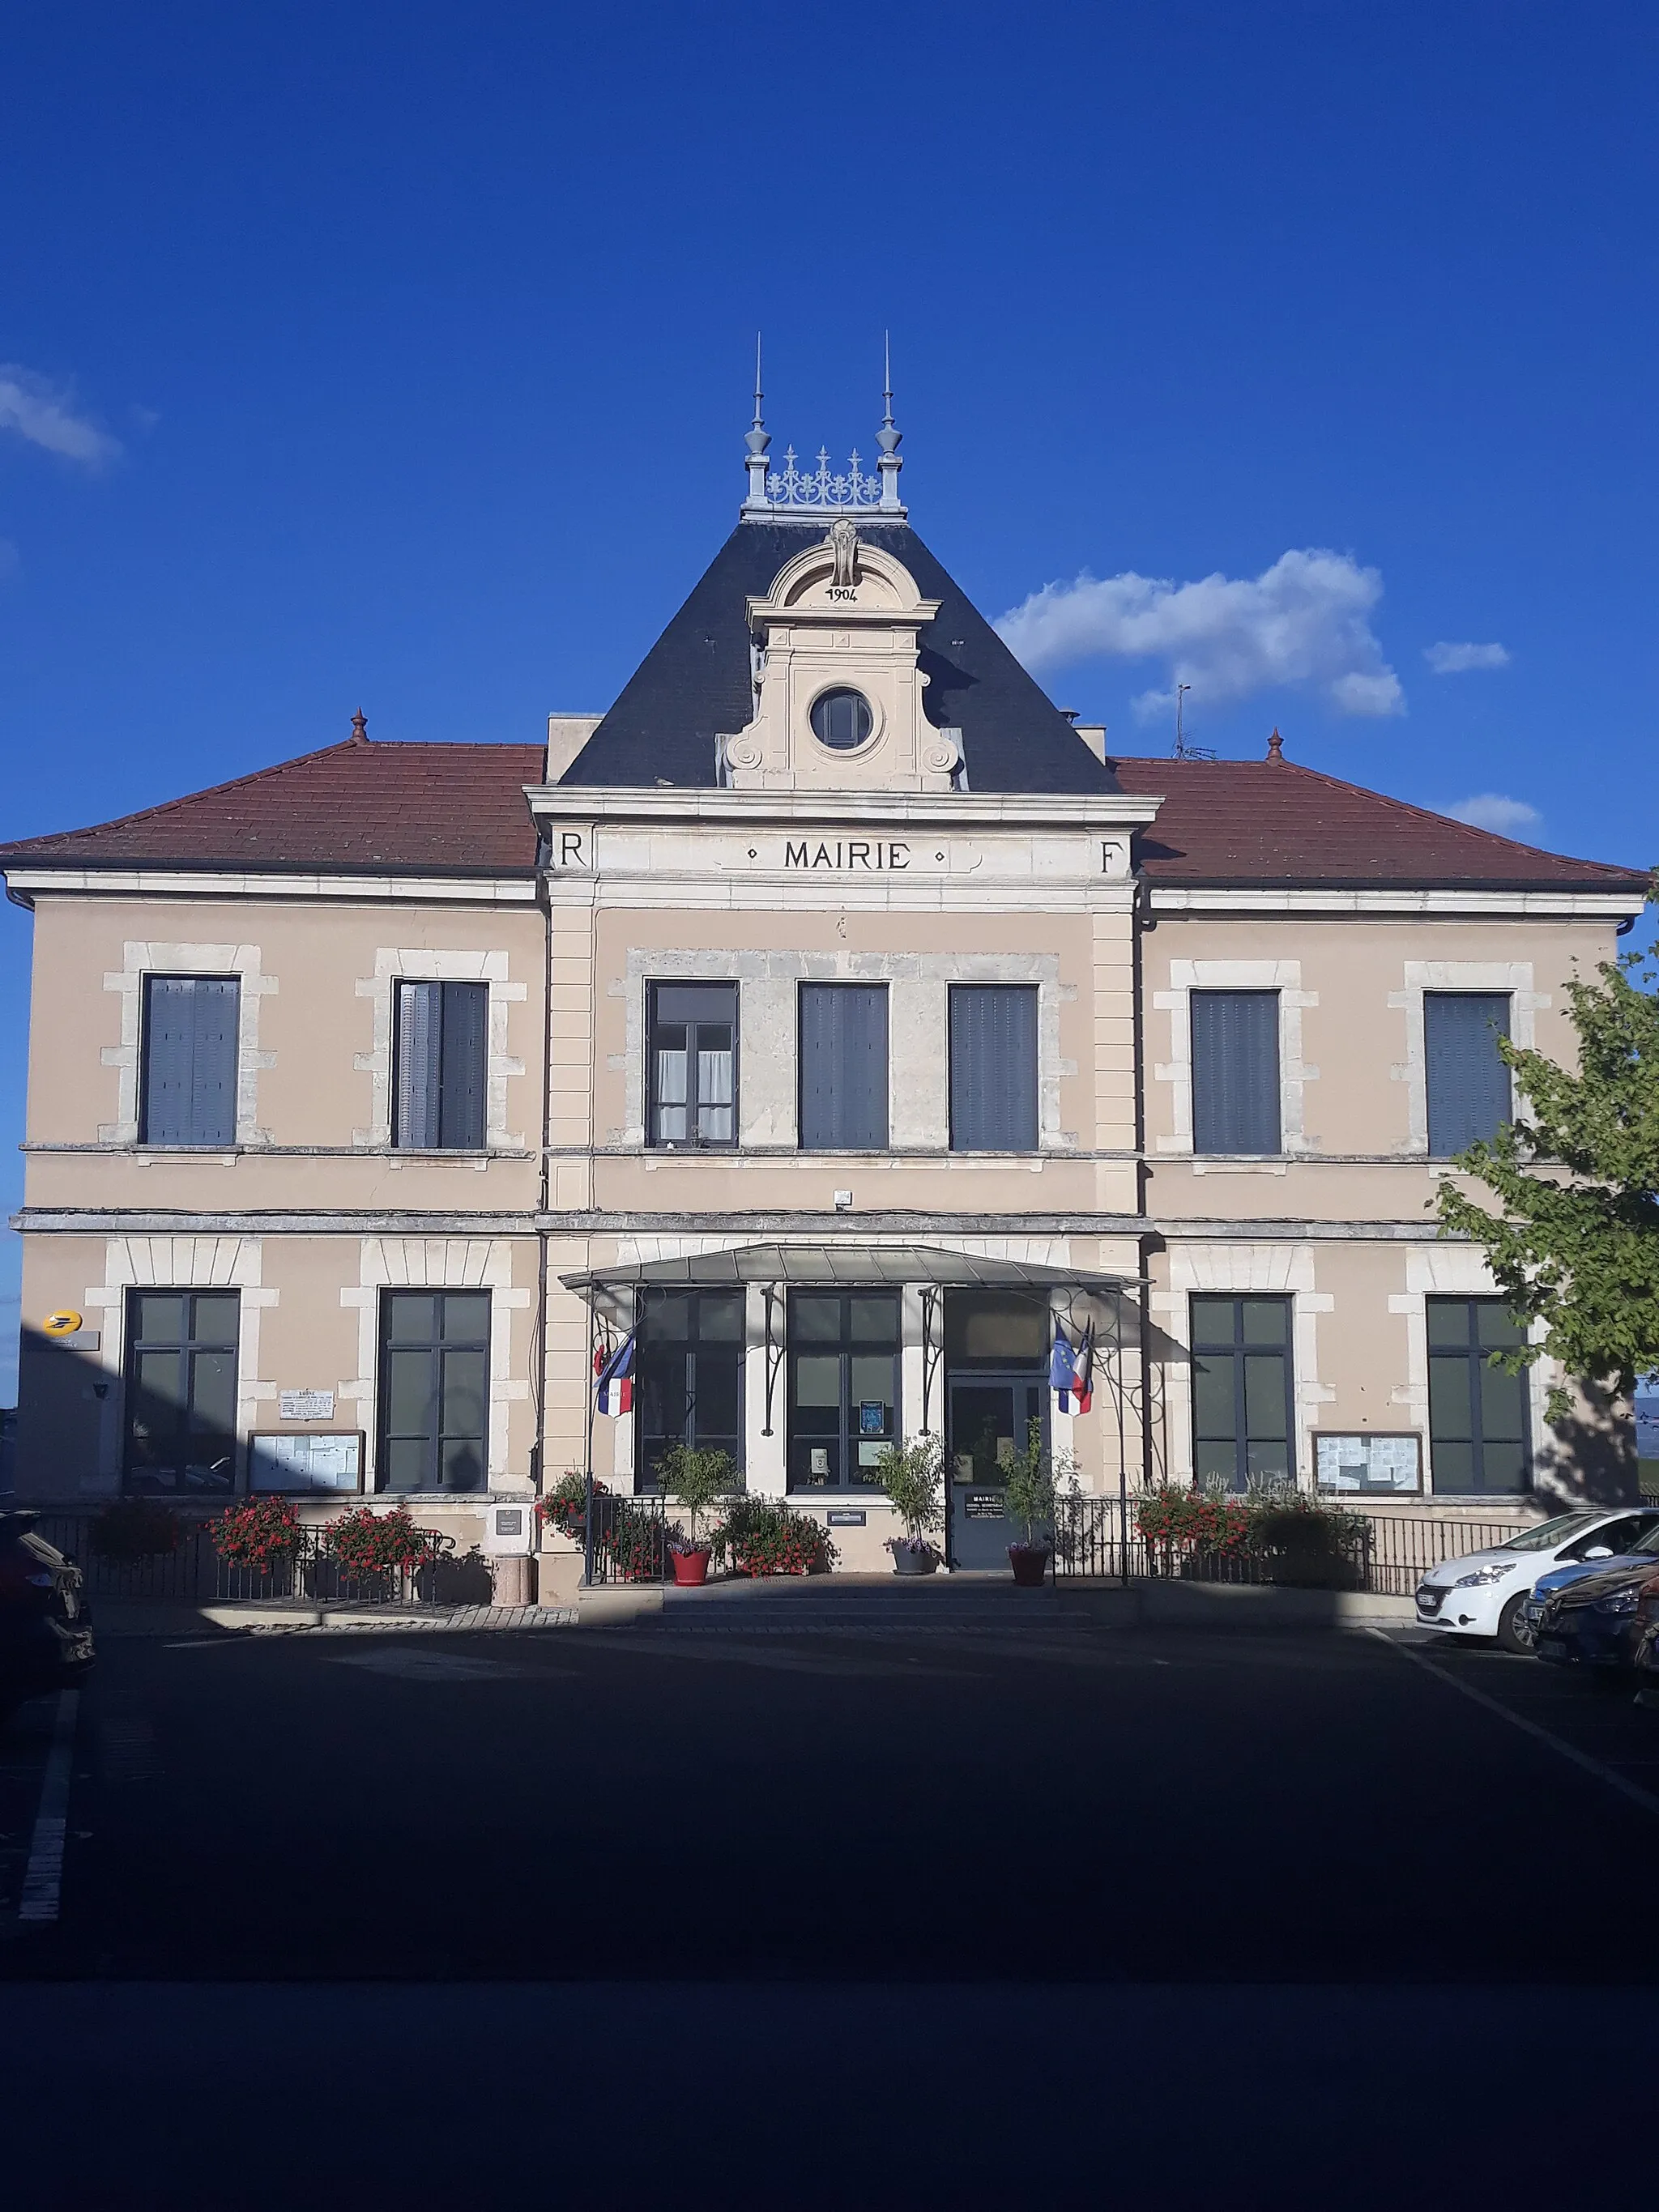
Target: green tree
<point>1576,1244</point>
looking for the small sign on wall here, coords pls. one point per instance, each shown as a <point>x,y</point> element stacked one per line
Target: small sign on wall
<point>843,1516</point>
<point>1369,1463</point>
<point>305,1405</point>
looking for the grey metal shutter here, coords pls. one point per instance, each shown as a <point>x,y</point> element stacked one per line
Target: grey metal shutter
<point>463,1072</point>
<point>993,1067</point>
<point>843,1067</point>
<point>1236,1072</point>
<point>190,1060</point>
<point>1468,1084</point>
<point>420,1089</point>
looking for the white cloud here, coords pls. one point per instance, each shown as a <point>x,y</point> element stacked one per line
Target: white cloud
<point>1304,621</point>
<point>1490,810</point>
<point>39,413</point>
<point>1457,660</point>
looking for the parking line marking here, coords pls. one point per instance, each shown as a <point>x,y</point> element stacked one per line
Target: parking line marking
<point>1637,1795</point>
<point>43,1878</point>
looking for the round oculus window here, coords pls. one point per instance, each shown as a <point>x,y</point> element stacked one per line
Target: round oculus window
<point>841,719</point>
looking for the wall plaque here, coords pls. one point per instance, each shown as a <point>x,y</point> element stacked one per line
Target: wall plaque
<point>305,1405</point>
<point>842,1517</point>
<point>983,1505</point>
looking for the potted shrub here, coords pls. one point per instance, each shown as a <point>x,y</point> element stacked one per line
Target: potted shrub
<point>129,1529</point>
<point>697,1478</point>
<point>261,1533</point>
<point>562,1510</point>
<point>1305,1545</point>
<point>1029,1497</point>
<point>367,1546</point>
<point>759,1536</point>
<point>913,1475</point>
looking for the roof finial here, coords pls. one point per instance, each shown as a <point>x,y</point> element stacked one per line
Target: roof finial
<point>889,436</point>
<point>1276,748</point>
<point>757,439</point>
<point>360,728</point>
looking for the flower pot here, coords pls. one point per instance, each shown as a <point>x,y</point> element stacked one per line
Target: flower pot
<point>1029,1563</point>
<point>691,1568</point>
<point>913,1559</point>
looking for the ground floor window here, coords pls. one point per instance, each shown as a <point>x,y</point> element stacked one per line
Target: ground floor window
<point>843,1386</point>
<point>688,1375</point>
<point>1477,1413</point>
<point>435,1390</point>
<point>1242,1391</point>
<point>181,1392</point>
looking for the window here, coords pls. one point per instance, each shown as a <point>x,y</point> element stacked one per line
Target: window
<point>993,1067</point>
<point>1469,1085</point>
<point>1477,1413</point>
<point>435,1390</point>
<point>1242,1405</point>
<point>190,1060</point>
<point>688,1368</point>
<point>843,1386</point>
<point>442,1073</point>
<point>1236,1072</point>
<point>181,1393</point>
<point>841,719</point>
<point>693,1055</point>
<point>843,1067</point>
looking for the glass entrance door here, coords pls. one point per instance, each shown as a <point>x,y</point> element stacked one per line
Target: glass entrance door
<point>989,1420</point>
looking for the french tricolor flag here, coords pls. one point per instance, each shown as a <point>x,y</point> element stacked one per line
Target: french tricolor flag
<point>1071,1373</point>
<point>614,1378</point>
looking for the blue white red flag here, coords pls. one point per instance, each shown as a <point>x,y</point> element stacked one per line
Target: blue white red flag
<point>614,1383</point>
<point>1083,1391</point>
<point>1062,1367</point>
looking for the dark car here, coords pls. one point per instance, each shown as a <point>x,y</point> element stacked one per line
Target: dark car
<point>45,1630</point>
<point>1600,1619</point>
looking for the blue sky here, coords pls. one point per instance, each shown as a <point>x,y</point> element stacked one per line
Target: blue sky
<point>399,355</point>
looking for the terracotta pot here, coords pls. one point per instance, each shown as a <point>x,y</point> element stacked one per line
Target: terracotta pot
<point>691,1568</point>
<point>1029,1563</point>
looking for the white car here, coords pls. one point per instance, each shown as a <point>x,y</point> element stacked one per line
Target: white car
<point>1485,1593</point>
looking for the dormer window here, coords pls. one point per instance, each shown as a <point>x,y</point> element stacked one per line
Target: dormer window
<point>841,719</point>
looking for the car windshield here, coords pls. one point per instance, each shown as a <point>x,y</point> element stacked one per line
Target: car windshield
<point>1549,1533</point>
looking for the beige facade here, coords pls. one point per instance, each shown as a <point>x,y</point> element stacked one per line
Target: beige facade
<point>890,862</point>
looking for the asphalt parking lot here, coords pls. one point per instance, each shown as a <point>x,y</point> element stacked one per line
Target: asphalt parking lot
<point>1052,1800</point>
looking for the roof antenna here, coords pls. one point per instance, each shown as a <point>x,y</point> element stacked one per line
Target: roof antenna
<point>889,435</point>
<point>1182,751</point>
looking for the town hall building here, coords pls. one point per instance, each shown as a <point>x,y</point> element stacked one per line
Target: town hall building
<point>835,1015</point>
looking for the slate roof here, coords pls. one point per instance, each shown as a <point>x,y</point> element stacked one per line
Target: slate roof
<point>356,807</point>
<point>1247,824</point>
<point>694,683</point>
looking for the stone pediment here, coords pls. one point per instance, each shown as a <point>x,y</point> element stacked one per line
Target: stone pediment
<point>838,687</point>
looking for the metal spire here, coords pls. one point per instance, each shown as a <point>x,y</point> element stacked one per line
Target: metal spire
<point>889,435</point>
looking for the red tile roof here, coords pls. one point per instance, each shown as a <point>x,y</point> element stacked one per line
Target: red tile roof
<point>459,809</point>
<point>1267,823</point>
<point>362,807</point>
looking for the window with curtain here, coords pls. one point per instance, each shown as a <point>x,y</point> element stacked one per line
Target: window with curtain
<point>692,1050</point>
<point>434,1391</point>
<point>1236,1107</point>
<point>441,1062</point>
<point>1469,1085</point>
<point>1478,1438</point>
<point>993,1067</point>
<point>188,1091</point>
<point>843,1067</point>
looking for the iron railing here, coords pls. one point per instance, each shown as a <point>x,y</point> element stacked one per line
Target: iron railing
<point>626,1539</point>
<point>1388,1557</point>
<point>196,1573</point>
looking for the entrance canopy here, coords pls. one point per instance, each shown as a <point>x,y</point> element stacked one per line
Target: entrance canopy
<point>853,1265</point>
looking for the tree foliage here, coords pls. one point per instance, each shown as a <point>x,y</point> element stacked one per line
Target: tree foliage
<point>1576,1243</point>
